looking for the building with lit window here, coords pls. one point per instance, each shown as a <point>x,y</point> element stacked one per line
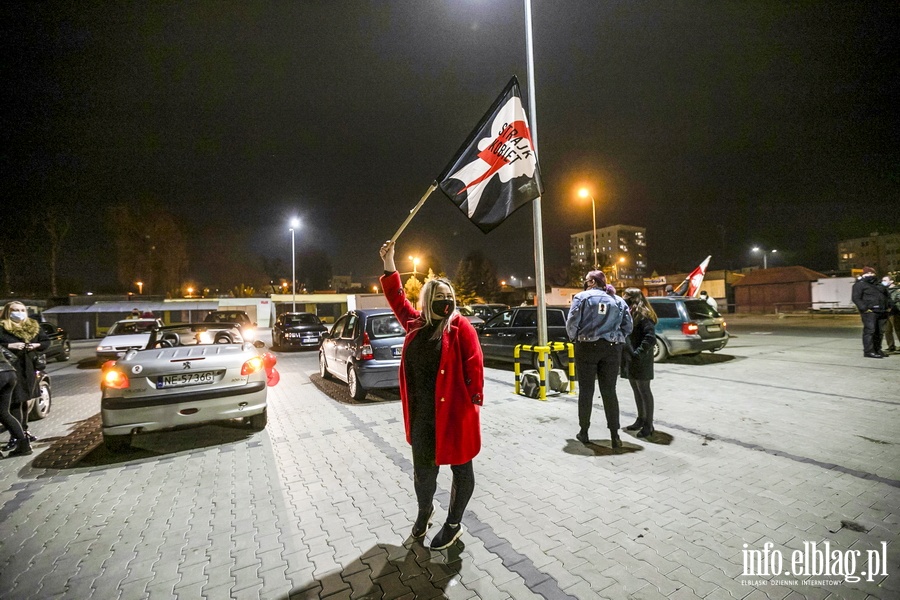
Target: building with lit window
<point>879,251</point>
<point>622,249</point>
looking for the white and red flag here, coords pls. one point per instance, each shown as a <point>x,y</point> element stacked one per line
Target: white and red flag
<point>690,287</point>
<point>495,172</point>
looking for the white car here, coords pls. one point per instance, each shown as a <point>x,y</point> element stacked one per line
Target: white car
<point>125,335</point>
<point>190,374</point>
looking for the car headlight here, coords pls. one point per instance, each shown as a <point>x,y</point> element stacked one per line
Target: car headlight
<point>103,348</point>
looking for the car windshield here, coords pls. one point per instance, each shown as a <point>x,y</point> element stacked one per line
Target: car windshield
<point>131,327</point>
<point>225,317</point>
<point>293,320</point>
<point>383,326</point>
<point>197,335</point>
<point>700,309</point>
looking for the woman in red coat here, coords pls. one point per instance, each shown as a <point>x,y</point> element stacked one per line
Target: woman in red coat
<point>441,388</point>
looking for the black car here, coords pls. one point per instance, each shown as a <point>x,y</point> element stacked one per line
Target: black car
<point>60,349</point>
<point>297,330</point>
<point>504,331</point>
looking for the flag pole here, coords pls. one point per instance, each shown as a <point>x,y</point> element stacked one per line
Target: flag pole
<point>413,212</point>
<point>538,230</point>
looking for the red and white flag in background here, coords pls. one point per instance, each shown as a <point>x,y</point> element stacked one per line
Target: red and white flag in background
<point>690,287</point>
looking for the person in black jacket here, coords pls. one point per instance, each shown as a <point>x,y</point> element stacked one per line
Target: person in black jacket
<point>872,300</point>
<point>637,359</point>
<point>8,380</point>
<point>25,339</point>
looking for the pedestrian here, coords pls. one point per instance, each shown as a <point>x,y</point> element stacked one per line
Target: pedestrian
<point>598,324</point>
<point>709,300</point>
<point>441,390</point>
<point>637,359</point>
<point>135,313</point>
<point>8,381</point>
<point>892,324</point>
<point>871,298</point>
<point>25,339</point>
<point>670,291</point>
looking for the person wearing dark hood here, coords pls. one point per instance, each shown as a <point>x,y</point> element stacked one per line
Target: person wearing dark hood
<point>872,300</point>
<point>25,339</point>
<point>598,324</point>
<point>441,391</point>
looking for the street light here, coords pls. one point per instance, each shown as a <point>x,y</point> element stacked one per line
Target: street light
<point>765,254</point>
<point>585,193</point>
<point>140,285</point>
<point>295,223</point>
<point>415,262</point>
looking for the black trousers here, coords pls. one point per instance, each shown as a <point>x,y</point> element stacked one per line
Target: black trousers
<point>873,327</point>
<point>643,398</point>
<point>597,361</point>
<point>425,481</point>
<point>8,382</point>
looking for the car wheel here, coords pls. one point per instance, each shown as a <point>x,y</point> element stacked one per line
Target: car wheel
<point>117,443</point>
<point>323,367</point>
<point>42,402</point>
<point>660,352</point>
<point>65,354</point>
<point>258,422</point>
<point>356,390</point>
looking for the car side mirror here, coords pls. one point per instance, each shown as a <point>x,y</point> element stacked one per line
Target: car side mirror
<point>259,344</point>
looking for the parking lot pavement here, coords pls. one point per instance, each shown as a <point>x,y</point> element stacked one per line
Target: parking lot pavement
<point>785,438</point>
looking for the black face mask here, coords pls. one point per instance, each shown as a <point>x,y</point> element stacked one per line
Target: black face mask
<point>442,307</point>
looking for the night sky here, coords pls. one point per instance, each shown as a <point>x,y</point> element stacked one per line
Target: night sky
<point>715,125</point>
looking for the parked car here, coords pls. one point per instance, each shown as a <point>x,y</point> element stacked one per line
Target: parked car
<point>486,311</point>
<point>686,326</point>
<point>239,317</point>
<point>363,348</point>
<point>470,315</point>
<point>125,335</point>
<point>504,331</point>
<point>39,406</point>
<point>60,349</point>
<point>298,330</point>
<point>188,375</point>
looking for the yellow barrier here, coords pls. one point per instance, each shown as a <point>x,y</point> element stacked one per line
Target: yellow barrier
<point>542,352</point>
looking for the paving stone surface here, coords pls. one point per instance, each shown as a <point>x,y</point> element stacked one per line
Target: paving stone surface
<point>785,442</point>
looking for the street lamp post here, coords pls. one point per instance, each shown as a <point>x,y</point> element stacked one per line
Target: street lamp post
<point>585,193</point>
<point>765,254</point>
<point>294,224</point>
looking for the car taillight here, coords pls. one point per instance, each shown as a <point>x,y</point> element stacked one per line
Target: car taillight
<point>116,380</point>
<point>365,353</point>
<point>252,366</point>
<point>689,328</point>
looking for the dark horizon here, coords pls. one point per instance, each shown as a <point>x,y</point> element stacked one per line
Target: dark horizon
<point>715,126</point>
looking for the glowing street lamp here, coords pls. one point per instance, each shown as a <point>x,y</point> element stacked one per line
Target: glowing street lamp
<point>140,285</point>
<point>295,223</point>
<point>765,254</point>
<point>586,193</point>
<point>415,262</point>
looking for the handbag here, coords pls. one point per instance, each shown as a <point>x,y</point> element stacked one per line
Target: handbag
<point>39,362</point>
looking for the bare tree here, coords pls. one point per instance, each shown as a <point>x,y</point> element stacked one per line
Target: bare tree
<point>57,224</point>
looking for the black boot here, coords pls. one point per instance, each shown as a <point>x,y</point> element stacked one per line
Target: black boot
<point>10,445</point>
<point>423,522</point>
<point>23,448</point>
<point>636,425</point>
<point>446,536</point>
<point>614,438</point>
<point>582,436</point>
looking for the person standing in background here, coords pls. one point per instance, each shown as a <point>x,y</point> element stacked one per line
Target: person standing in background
<point>871,299</point>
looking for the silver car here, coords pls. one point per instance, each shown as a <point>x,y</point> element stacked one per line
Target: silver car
<point>125,335</point>
<point>189,374</point>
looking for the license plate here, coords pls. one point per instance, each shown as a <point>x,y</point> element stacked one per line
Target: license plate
<point>714,328</point>
<point>183,379</point>
<point>396,351</point>
<point>310,340</point>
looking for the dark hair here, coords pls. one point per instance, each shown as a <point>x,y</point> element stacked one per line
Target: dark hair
<point>639,306</point>
<point>599,278</point>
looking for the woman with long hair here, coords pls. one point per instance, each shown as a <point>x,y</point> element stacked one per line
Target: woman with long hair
<point>637,359</point>
<point>24,339</point>
<point>441,390</point>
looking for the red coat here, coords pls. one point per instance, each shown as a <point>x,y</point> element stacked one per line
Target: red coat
<point>459,392</point>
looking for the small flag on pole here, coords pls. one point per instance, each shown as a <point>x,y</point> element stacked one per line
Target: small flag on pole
<point>690,287</point>
<point>496,171</point>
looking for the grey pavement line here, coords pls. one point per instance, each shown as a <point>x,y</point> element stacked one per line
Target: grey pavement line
<point>537,581</point>
<point>782,387</point>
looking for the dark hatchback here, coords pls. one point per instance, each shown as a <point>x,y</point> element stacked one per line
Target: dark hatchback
<point>298,330</point>
<point>363,348</point>
<point>686,326</point>
<point>504,331</point>
<point>60,348</point>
